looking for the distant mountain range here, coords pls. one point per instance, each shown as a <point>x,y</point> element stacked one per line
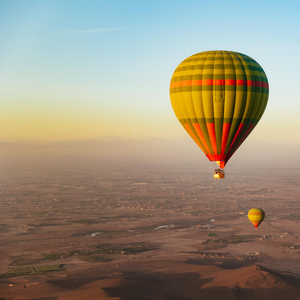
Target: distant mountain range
<point>109,140</point>
<point>151,148</point>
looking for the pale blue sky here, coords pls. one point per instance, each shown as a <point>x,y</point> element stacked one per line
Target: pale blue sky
<point>80,69</point>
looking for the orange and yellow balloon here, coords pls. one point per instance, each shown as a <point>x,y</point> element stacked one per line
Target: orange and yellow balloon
<point>256,216</point>
<point>219,97</point>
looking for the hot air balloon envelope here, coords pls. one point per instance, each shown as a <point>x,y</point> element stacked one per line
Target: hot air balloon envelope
<point>219,97</point>
<point>256,216</point>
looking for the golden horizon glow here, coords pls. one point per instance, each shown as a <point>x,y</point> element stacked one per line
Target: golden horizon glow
<point>60,125</point>
<point>69,76</point>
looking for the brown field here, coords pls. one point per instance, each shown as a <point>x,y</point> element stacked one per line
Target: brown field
<point>77,229</point>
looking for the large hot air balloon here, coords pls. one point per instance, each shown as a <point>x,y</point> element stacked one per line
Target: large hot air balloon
<point>219,97</point>
<point>256,216</point>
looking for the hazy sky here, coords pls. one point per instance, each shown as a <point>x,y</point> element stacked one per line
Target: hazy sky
<point>74,69</point>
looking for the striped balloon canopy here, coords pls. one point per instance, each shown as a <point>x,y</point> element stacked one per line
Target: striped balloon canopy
<point>256,216</point>
<point>219,97</point>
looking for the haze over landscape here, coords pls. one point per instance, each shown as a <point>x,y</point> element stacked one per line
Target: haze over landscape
<point>103,194</point>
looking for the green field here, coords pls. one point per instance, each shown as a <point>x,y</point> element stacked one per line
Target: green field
<point>217,243</point>
<point>32,270</point>
<point>91,255</point>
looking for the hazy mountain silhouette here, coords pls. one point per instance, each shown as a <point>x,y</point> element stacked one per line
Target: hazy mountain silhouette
<point>158,149</point>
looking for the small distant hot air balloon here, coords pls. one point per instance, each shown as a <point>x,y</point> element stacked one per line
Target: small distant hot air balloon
<point>256,216</point>
<point>219,97</point>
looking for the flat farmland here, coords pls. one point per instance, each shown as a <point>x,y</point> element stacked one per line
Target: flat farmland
<point>96,230</point>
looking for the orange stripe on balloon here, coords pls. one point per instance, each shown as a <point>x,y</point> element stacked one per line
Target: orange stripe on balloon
<point>255,222</point>
<point>222,164</point>
<point>207,82</point>
<point>187,83</point>
<point>212,136</point>
<point>219,158</point>
<point>197,82</point>
<point>201,136</point>
<point>241,82</point>
<point>189,130</point>
<point>230,82</point>
<point>216,157</point>
<point>218,82</point>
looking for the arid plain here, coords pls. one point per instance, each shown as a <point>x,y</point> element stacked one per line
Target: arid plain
<point>74,227</point>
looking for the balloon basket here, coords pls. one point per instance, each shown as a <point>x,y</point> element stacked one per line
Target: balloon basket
<point>219,174</point>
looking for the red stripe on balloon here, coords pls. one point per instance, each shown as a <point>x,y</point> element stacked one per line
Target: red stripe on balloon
<point>189,130</point>
<point>237,134</point>
<point>201,136</point>
<point>212,136</point>
<point>218,82</point>
<point>243,138</point>
<point>225,133</point>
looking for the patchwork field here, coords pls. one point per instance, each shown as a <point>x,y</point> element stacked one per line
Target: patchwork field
<point>91,230</point>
